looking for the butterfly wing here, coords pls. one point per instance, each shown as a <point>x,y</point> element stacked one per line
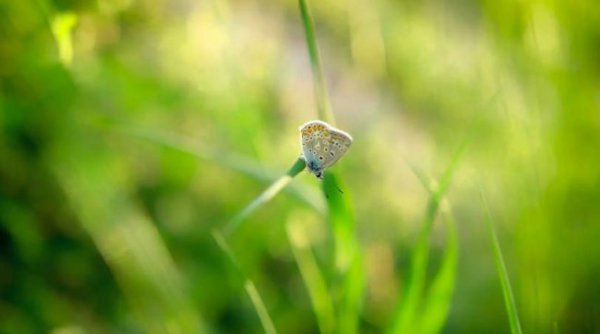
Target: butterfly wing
<point>314,143</point>
<point>322,145</point>
<point>338,143</point>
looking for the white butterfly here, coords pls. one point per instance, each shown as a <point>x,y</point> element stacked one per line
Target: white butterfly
<point>322,145</point>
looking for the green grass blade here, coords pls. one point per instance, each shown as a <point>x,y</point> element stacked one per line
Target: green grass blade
<point>406,314</point>
<point>313,279</point>
<point>233,224</point>
<point>437,304</point>
<point>348,258</point>
<point>229,160</point>
<point>265,196</point>
<point>260,307</point>
<point>322,98</point>
<point>342,222</point>
<point>352,299</point>
<point>249,286</point>
<point>509,299</point>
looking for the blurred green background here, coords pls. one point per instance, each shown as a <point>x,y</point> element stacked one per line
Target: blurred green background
<point>130,129</point>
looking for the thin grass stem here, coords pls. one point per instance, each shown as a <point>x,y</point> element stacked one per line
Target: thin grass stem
<point>320,87</point>
<point>509,299</point>
<point>313,278</point>
<point>265,196</point>
<point>249,286</point>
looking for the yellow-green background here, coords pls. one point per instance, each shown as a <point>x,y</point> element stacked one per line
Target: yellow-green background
<point>131,128</point>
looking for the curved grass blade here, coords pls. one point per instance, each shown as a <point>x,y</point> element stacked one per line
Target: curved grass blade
<point>406,314</point>
<point>230,160</point>
<point>245,166</point>
<point>509,299</point>
<point>233,161</point>
<point>323,105</point>
<point>265,196</point>
<point>219,236</point>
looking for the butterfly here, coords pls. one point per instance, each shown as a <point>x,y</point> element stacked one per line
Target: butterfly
<point>322,145</point>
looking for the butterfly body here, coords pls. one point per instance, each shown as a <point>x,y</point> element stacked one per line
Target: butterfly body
<point>322,145</point>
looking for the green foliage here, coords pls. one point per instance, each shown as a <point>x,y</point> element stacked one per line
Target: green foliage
<point>150,179</point>
<point>407,319</point>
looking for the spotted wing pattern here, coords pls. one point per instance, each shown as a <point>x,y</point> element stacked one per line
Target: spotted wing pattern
<point>322,144</point>
<point>339,142</point>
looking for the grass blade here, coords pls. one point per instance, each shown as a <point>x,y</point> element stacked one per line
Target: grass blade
<point>342,222</point>
<point>352,296</point>
<point>265,196</point>
<point>249,286</point>
<point>232,161</point>
<point>260,307</point>
<point>322,99</point>
<point>234,223</point>
<point>348,259</point>
<point>437,304</point>
<point>313,279</point>
<point>509,299</point>
<point>405,318</point>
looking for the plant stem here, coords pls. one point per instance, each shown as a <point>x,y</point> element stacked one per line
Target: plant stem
<point>321,96</point>
<point>275,187</point>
